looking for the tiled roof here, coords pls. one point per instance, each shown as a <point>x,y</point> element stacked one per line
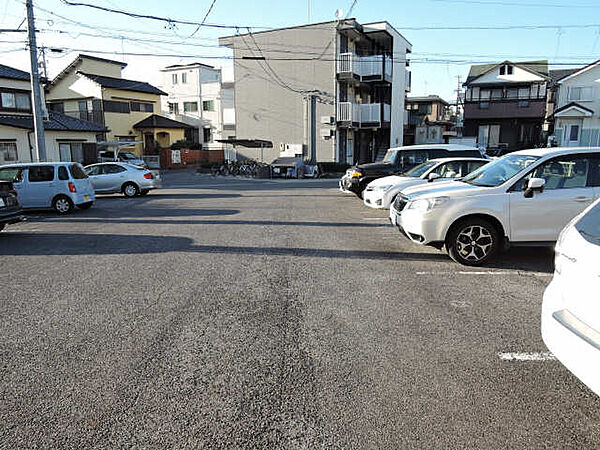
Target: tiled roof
<point>539,67</point>
<point>426,98</point>
<point>156,121</point>
<point>559,74</point>
<point>56,122</point>
<point>12,73</point>
<point>123,84</point>
<point>572,105</point>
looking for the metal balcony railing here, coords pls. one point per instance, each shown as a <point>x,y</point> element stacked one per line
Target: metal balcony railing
<point>373,67</point>
<point>363,113</point>
<point>94,116</point>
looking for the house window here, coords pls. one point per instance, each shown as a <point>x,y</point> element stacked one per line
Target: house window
<point>524,92</point>
<point>206,135</point>
<point>496,94</point>
<point>581,94</point>
<point>71,151</point>
<point>208,105</point>
<point>484,94</point>
<point>8,151</point>
<point>8,100</point>
<point>512,93</point>
<point>190,106</point>
<point>174,78</point>
<point>143,107</point>
<point>484,105</point>
<point>523,104</point>
<point>506,70</point>
<point>116,107</point>
<point>173,108</point>
<point>184,78</point>
<point>574,133</point>
<point>58,107</point>
<point>18,101</point>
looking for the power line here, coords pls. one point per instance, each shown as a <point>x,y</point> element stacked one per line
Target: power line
<point>544,5</point>
<point>168,20</point>
<point>205,17</point>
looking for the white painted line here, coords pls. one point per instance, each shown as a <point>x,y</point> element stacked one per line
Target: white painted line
<point>375,218</point>
<point>528,356</point>
<point>487,272</point>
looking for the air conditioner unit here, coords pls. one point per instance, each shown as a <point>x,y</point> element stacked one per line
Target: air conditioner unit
<point>327,133</point>
<point>327,120</point>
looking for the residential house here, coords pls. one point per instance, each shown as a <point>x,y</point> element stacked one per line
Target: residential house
<point>576,112</point>
<point>505,104</point>
<point>428,120</point>
<point>331,91</point>
<point>198,95</point>
<point>67,138</point>
<point>92,88</point>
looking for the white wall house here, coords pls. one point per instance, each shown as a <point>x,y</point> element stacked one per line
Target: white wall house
<point>67,138</point>
<point>577,113</point>
<point>202,96</point>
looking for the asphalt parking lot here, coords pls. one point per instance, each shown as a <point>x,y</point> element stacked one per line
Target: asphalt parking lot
<point>233,313</point>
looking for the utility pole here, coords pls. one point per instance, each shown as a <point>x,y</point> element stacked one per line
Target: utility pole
<point>38,121</point>
<point>310,127</point>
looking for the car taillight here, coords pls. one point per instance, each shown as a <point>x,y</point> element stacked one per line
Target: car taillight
<point>72,187</point>
<point>148,176</point>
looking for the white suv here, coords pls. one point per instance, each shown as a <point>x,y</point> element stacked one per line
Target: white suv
<point>380,193</point>
<point>523,198</point>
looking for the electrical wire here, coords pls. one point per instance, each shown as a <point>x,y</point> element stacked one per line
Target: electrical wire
<point>210,8</point>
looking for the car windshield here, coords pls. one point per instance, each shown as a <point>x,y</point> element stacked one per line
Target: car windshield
<point>499,171</point>
<point>390,156</point>
<point>420,169</point>
<point>11,174</point>
<point>127,155</point>
<point>589,225</point>
<point>77,172</point>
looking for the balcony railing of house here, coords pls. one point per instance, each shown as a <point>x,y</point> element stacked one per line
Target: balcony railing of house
<point>363,113</point>
<point>94,116</point>
<point>365,68</point>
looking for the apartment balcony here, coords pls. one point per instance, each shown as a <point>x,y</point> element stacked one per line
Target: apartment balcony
<point>364,68</point>
<point>363,115</point>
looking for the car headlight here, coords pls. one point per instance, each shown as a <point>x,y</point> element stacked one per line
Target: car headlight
<point>357,174</point>
<point>426,204</point>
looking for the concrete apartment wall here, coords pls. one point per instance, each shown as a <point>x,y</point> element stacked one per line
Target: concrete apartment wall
<point>264,109</point>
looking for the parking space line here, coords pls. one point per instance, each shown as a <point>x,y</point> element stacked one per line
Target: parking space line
<point>487,272</point>
<point>527,356</point>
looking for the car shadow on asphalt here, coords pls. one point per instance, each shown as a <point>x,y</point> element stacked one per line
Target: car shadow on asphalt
<point>103,215</point>
<point>527,259</point>
<point>162,195</point>
<point>274,223</point>
<point>21,244</point>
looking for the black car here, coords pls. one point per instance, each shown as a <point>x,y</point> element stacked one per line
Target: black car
<point>10,210</point>
<point>400,159</point>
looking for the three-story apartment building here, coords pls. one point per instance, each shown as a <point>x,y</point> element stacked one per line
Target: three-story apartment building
<point>505,104</point>
<point>335,90</point>
<point>199,96</point>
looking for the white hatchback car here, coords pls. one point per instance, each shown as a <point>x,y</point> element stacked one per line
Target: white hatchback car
<point>571,310</point>
<point>380,193</point>
<point>114,177</point>
<point>523,198</point>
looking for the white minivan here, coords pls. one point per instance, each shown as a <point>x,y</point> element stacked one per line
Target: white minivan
<point>523,198</point>
<point>571,310</point>
<point>57,185</point>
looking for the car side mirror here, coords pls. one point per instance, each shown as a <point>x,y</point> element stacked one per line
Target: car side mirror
<point>433,176</point>
<point>533,185</point>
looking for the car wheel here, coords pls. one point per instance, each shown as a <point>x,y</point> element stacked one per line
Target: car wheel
<point>144,192</point>
<point>472,242</point>
<point>87,205</point>
<point>130,190</point>
<point>62,204</point>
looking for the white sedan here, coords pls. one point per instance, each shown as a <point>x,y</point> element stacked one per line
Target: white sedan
<point>380,193</point>
<point>571,308</point>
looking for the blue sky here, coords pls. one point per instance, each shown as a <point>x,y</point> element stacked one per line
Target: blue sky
<point>458,48</point>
